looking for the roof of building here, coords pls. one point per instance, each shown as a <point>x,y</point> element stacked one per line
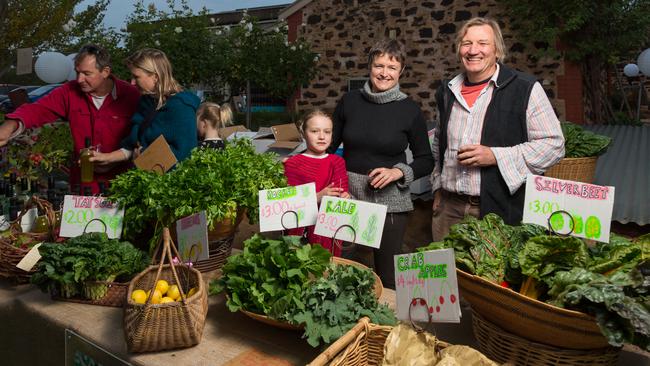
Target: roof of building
<point>262,14</point>
<point>626,166</point>
<point>292,8</point>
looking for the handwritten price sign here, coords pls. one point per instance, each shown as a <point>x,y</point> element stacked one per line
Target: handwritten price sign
<point>192,235</point>
<point>589,206</point>
<point>367,220</point>
<point>274,203</point>
<point>78,211</point>
<point>427,280</point>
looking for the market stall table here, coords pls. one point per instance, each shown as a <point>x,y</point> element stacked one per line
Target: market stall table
<point>34,334</point>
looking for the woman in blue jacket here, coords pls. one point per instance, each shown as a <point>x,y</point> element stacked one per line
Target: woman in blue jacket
<point>164,109</point>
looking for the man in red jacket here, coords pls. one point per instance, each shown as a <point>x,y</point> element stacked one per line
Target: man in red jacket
<point>97,104</point>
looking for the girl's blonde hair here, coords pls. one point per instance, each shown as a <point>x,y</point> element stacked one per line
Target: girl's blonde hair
<point>155,62</point>
<point>218,116</point>
<point>302,123</point>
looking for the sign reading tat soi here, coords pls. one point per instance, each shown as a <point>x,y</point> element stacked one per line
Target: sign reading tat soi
<point>286,206</point>
<point>351,220</point>
<point>583,209</point>
<point>426,285</point>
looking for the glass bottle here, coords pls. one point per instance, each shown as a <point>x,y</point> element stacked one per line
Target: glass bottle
<point>86,164</point>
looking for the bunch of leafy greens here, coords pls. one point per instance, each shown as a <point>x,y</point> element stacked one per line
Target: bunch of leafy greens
<point>270,276</point>
<point>487,247</point>
<point>335,303</point>
<point>217,181</point>
<point>607,280</point>
<point>295,283</point>
<point>580,143</point>
<point>90,257</point>
<point>620,303</point>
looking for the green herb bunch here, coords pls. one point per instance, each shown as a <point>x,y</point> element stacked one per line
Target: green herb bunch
<point>90,257</point>
<point>217,181</point>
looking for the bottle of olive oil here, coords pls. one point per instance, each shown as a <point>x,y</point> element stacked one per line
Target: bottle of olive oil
<point>86,164</point>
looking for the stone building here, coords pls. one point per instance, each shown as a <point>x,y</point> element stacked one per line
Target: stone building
<point>342,32</point>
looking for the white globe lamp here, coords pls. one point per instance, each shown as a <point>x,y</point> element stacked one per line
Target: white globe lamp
<point>52,67</point>
<point>631,70</point>
<point>73,73</point>
<point>644,62</point>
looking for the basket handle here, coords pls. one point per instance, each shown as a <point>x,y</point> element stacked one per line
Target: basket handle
<point>44,205</point>
<point>167,249</point>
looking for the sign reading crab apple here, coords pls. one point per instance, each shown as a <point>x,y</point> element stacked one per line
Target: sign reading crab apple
<point>426,286</point>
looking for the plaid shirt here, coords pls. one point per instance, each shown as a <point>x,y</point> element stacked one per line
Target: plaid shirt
<point>545,146</point>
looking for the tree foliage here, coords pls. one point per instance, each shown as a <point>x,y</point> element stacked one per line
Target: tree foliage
<point>593,33</point>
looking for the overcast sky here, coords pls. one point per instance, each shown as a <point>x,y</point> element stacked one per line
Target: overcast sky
<point>118,10</point>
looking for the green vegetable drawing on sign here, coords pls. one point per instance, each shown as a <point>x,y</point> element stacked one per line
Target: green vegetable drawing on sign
<point>354,222</point>
<point>592,227</point>
<point>576,224</point>
<point>305,191</point>
<point>370,233</point>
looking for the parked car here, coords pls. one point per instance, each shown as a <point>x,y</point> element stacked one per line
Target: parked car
<point>34,93</point>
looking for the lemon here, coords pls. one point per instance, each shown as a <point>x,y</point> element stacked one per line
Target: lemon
<point>166,299</point>
<point>174,292</point>
<point>162,286</point>
<point>155,298</point>
<point>139,296</point>
<point>192,292</point>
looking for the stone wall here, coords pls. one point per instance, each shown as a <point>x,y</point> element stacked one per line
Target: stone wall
<point>342,32</point>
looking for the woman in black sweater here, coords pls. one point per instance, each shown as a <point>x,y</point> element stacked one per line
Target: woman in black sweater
<point>376,125</point>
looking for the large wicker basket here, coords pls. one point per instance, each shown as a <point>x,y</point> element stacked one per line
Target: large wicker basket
<point>155,327</point>
<point>363,345</point>
<point>576,169</point>
<point>504,347</point>
<point>11,253</point>
<point>528,318</point>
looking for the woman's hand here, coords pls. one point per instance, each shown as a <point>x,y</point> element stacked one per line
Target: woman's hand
<point>102,159</point>
<point>331,190</point>
<point>381,177</point>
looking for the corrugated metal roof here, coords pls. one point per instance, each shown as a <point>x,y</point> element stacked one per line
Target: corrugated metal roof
<point>626,166</point>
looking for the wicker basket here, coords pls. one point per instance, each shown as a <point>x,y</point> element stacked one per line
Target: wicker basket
<point>363,345</point>
<point>531,319</point>
<point>503,347</point>
<point>155,327</point>
<point>115,296</point>
<point>576,169</point>
<point>10,254</point>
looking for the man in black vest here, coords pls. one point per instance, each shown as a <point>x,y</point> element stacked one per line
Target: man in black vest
<point>496,126</point>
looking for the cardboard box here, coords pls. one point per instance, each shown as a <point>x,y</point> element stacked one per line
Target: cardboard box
<point>158,157</point>
<point>286,136</point>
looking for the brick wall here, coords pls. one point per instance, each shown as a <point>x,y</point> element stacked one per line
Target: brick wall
<point>342,32</point>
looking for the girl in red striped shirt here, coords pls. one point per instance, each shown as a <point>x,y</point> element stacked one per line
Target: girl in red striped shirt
<point>326,171</point>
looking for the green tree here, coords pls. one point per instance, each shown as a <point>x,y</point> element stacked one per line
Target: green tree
<point>181,34</point>
<point>593,33</point>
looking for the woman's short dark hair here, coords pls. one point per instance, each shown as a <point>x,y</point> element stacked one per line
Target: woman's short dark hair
<point>391,47</point>
<point>102,58</point>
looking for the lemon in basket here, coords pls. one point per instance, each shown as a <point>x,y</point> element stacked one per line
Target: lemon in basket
<point>156,297</point>
<point>166,299</point>
<point>162,286</point>
<point>174,292</point>
<point>192,292</point>
<point>139,296</point>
